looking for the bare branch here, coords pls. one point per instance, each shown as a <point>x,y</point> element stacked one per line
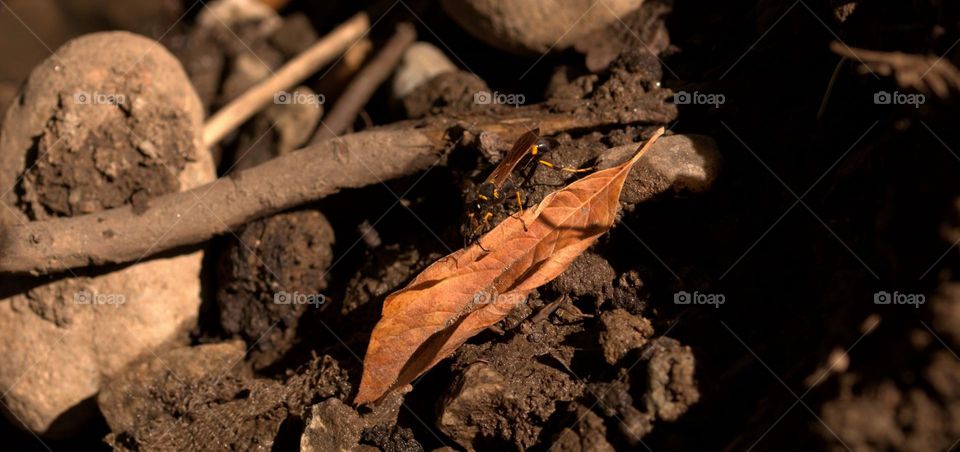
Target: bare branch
<point>288,76</point>
<point>179,219</point>
<point>361,89</point>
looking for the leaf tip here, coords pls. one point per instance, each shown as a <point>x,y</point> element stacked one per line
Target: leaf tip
<point>647,146</point>
<point>364,397</point>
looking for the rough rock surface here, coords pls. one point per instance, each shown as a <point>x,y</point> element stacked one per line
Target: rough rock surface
<point>92,130</point>
<point>421,62</point>
<point>536,26</point>
<point>677,164</point>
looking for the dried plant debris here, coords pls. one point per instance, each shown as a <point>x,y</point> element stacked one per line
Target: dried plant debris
<point>471,289</point>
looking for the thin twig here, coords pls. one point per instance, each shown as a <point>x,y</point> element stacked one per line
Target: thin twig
<point>361,89</point>
<point>335,80</point>
<point>288,76</point>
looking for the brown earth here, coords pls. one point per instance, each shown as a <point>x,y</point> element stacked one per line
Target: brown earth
<point>602,358</point>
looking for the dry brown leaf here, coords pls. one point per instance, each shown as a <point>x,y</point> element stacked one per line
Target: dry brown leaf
<point>473,288</point>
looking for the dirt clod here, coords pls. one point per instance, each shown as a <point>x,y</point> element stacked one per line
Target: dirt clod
<point>471,400</point>
<point>505,392</point>
<point>449,91</point>
<point>589,275</point>
<point>216,411</point>
<point>82,170</point>
<point>623,333</point>
<point>274,273</point>
<point>670,374</point>
<point>130,399</point>
<point>587,435</point>
<point>333,426</point>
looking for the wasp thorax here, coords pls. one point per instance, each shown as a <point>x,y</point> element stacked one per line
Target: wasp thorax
<point>487,192</point>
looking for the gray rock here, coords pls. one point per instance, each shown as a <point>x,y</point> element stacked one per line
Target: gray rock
<point>421,62</point>
<point>677,164</point>
<point>62,339</point>
<point>534,27</point>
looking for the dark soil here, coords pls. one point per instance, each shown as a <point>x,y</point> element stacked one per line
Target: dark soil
<point>218,411</point>
<point>133,153</point>
<point>281,258</point>
<point>826,198</point>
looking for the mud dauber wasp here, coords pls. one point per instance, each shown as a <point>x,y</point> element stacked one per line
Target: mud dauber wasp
<point>497,187</point>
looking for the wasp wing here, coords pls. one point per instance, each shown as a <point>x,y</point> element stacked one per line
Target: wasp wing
<point>520,149</point>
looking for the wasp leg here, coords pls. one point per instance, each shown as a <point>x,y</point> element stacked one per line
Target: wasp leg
<point>456,263</point>
<point>476,232</point>
<point>485,225</point>
<point>565,169</point>
<point>520,212</point>
<point>509,184</point>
